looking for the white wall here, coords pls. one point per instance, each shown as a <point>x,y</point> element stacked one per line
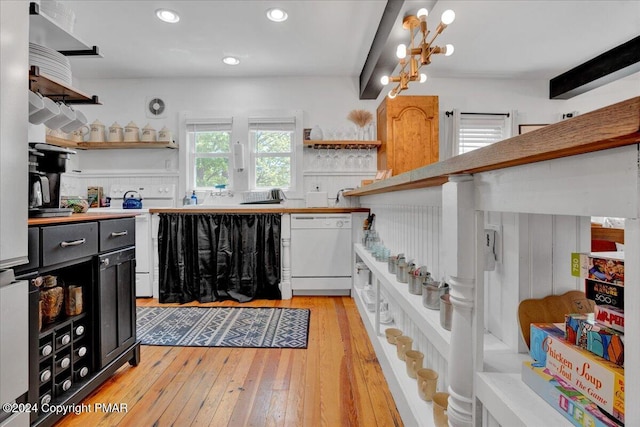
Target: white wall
<point>325,101</point>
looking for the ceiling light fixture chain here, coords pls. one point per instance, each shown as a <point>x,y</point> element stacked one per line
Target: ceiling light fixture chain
<point>415,57</point>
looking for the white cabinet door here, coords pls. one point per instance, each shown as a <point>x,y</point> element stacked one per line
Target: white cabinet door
<point>14,340</point>
<point>14,64</point>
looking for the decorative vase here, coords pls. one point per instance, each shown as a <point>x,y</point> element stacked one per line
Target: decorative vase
<point>316,133</point>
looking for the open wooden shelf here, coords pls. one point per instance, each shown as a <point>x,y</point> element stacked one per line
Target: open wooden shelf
<point>61,142</point>
<point>57,90</point>
<point>341,144</point>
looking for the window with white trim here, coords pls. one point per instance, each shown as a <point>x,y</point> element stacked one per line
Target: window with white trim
<point>272,142</point>
<point>479,130</point>
<point>210,153</point>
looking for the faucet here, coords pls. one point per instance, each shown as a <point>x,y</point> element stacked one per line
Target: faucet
<point>340,192</point>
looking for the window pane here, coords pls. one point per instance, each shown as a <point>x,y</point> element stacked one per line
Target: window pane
<point>212,171</point>
<point>212,142</point>
<point>270,141</point>
<point>273,172</point>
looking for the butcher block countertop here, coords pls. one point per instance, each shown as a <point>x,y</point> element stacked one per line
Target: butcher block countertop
<point>248,209</point>
<point>609,127</point>
<point>79,217</point>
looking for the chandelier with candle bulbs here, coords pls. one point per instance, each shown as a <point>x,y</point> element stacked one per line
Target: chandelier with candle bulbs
<point>417,55</point>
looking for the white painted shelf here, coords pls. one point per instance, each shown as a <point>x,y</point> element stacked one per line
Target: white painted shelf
<point>512,403</point>
<point>427,320</point>
<point>413,410</point>
<point>499,387</point>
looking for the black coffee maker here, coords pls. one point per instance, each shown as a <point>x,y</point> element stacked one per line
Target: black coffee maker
<point>46,165</point>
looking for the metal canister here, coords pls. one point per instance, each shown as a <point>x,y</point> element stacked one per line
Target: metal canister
<point>431,293</point>
<point>402,273</point>
<point>415,284</point>
<point>446,312</point>
<point>392,264</point>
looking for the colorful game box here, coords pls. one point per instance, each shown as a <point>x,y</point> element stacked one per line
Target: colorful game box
<point>607,267</point>
<point>604,293</point>
<point>610,316</point>
<point>564,398</point>
<point>583,331</point>
<point>600,380</point>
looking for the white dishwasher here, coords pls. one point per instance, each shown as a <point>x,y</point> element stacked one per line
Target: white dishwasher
<point>321,254</point>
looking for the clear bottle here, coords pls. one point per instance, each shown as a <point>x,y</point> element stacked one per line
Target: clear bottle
<point>186,200</point>
<point>194,198</point>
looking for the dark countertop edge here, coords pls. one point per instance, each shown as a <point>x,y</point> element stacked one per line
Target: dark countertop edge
<point>589,132</point>
<point>256,210</point>
<point>79,217</point>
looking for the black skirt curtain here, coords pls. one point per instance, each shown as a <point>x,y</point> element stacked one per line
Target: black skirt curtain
<point>214,257</point>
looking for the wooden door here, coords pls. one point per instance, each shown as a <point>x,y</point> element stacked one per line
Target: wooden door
<point>408,130</point>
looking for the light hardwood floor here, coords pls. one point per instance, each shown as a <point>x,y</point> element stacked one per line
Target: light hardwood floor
<point>337,381</point>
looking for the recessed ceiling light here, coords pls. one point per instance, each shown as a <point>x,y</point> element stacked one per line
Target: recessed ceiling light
<point>277,15</point>
<point>167,15</point>
<point>230,60</point>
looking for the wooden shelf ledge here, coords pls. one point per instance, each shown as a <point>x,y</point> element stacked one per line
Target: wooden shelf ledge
<point>61,142</point>
<point>614,126</point>
<point>341,144</point>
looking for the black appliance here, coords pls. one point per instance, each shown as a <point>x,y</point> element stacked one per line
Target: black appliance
<point>47,163</point>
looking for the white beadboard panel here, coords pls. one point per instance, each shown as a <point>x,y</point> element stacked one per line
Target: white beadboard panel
<point>432,358</point>
<point>431,196</point>
<point>540,250</point>
<point>536,263</point>
<point>603,183</point>
<point>413,230</point>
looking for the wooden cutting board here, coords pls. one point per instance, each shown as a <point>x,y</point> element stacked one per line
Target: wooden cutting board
<point>551,309</point>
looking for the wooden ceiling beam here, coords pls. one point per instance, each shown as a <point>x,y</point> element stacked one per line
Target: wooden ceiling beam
<point>377,64</point>
<point>616,63</point>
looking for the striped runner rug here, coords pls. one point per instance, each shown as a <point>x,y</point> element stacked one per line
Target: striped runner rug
<point>257,327</point>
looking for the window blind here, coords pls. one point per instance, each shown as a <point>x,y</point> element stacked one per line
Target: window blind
<point>272,123</point>
<point>479,131</point>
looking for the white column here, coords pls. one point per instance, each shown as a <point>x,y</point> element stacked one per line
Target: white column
<point>285,237</point>
<point>458,226</point>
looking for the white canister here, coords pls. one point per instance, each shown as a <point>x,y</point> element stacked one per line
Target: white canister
<point>96,131</point>
<point>148,134</point>
<point>131,132</point>
<point>115,133</point>
<point>165,135</point>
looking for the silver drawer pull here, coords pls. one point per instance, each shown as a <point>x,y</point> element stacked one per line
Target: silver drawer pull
<point>73,243</point>
<point>119,233</point>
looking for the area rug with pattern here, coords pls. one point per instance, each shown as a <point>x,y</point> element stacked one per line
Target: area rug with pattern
<point>257,327</point>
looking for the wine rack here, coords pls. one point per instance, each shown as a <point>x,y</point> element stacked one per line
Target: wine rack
<point>64,358</point>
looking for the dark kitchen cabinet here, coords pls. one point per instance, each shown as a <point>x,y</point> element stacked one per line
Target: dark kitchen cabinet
<point>73,352</point>
<point>116,299</point>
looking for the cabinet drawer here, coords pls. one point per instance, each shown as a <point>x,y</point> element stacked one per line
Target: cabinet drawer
<point>67,242</point>
<point>117,233</point>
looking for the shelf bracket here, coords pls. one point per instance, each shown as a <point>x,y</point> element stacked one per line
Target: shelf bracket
<point>94,51</point>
